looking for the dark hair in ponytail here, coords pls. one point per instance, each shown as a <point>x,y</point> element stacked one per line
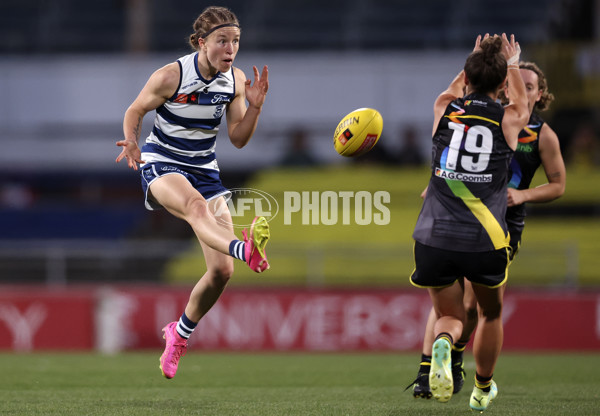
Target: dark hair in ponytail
<point>486,68</point>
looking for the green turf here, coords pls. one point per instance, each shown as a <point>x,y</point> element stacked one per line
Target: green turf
<point>282,384</point>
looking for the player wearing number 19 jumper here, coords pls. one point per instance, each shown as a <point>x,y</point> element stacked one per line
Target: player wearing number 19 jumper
<point>538,145</point>
<point>461,230</point>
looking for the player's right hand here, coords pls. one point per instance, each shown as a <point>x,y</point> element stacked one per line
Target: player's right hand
<point>131,152</point>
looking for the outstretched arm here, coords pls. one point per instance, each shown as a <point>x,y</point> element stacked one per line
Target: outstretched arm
<point>159,88</point>
<point>516,113</point>
<point>454,91</point>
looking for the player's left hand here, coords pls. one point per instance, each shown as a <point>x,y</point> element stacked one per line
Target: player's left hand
<point>256,94</point>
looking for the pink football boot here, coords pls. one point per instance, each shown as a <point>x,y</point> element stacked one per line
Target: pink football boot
<point>255,244</point>
<point>174,350</point>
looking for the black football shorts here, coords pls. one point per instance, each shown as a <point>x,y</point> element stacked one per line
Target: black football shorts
<point>436,267</point>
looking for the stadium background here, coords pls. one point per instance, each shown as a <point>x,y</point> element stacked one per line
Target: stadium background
<point>73,229</point>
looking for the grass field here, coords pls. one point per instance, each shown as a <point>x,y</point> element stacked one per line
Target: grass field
<point>283,384</point>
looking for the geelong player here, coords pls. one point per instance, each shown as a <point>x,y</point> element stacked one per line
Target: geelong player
<point>178,166</point>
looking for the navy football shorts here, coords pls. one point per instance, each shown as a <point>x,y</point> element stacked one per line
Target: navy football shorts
<point>436,267</point>
<point>208,183</point>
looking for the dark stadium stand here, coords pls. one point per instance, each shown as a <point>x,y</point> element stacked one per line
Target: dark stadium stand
<point>72,26</point>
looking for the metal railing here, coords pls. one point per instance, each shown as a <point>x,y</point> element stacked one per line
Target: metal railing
<point>58,262</point>
<point>61,262</point>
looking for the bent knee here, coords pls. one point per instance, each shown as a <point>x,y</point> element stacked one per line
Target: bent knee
<point>197,208</point>
<point>471,312</point>
<point>222,272</point>
<point>491,314</point>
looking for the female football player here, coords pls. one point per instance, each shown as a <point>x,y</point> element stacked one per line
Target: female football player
<point>538,144</point>
<point>462,230</point>
<point>177,162</point>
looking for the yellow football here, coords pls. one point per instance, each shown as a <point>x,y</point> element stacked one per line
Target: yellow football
<point>358,132</point>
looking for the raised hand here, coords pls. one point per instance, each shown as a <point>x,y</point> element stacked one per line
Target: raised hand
<point>478,41</point>
<point>255,94</point>
<point>511,49</point>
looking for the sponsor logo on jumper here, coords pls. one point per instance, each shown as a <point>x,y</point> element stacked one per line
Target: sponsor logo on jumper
<point>476,102</point>
<point>463,177</point>
<point>220,98</point>
<point>191,84</point>
<point>186,98</point>
<point>525,147</point>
